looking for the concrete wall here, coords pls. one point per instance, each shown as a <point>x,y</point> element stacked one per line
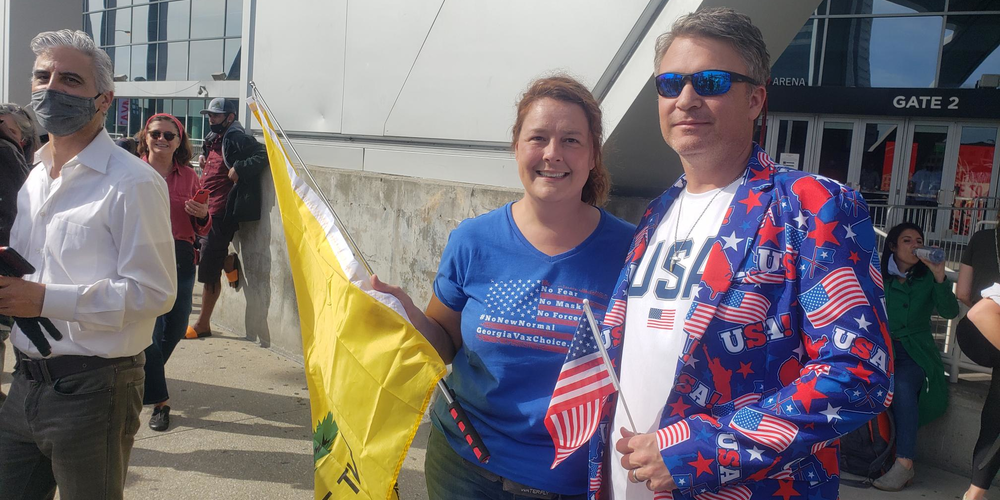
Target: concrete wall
<point>401,225</point>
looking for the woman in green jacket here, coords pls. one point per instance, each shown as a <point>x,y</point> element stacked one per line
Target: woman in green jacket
<point>914,288</point>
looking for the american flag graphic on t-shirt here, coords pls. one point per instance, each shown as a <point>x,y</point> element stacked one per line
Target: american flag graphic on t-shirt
<point>534,314</point>
<point>660,319</point>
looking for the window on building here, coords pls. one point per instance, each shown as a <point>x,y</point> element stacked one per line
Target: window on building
<point>234,19</point>
<point>168,40</point>
<point>882,52</point>
<point>796,65</point>
<point>206,59</point>
<point>208,19</point>
<point>172,61</point>
<point>974,6</point>
<point>971,49</point>
<point>178,19</point>
<point>894,43</point>
<point>842,7</point>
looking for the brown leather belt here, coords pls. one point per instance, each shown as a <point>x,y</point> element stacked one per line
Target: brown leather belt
<point>47,370</point>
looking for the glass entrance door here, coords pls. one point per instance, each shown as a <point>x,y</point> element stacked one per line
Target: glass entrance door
<point>917,181</point>
<point>974,174</point>
<point>835,143</point>
<point>924,163</point>
<point>974,166</point>
<point>876,159</point>
<point>790,140</point>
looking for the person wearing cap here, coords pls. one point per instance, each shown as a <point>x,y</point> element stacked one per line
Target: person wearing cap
<point>164,144</point>
<point>231,164</point>
<point>94,222</point>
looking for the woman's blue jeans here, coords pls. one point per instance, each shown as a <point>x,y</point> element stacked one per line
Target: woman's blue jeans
<point>909,379</point>
<point>170,327</point>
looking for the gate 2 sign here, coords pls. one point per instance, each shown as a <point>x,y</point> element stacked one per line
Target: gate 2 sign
<point>932,103</point>
<point>925,102</point>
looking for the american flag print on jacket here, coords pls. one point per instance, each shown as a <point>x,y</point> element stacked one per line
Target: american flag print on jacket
<point>782,332</point>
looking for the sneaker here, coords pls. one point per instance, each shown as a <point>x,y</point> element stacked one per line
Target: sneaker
<point>896,479</point>
<point>160,420</point>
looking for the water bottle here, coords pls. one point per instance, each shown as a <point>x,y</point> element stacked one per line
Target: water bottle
<point>932,254</point>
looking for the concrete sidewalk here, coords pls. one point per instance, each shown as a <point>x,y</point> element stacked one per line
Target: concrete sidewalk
<point>240,429</point>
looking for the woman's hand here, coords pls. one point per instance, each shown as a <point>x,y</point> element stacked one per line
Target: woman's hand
<point>641,457</point>
<point>439,325</point>
<point>195,209</point>
<point>937,269</point>
<point>411,309</point>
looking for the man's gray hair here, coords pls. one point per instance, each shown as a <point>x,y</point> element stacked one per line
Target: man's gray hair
<point>724,24</point>
<point>103,67</point>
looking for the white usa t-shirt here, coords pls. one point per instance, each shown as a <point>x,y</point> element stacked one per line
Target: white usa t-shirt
<point>659,296</point>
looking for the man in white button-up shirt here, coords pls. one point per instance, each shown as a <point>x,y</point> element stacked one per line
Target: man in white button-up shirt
<point>94,222</point>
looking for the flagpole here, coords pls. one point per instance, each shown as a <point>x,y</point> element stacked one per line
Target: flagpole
<point>454,409</point>
<point>607,359</point>
<point>340,224</point>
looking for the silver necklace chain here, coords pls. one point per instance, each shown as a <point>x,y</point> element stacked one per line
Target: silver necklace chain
<point>676,257</point>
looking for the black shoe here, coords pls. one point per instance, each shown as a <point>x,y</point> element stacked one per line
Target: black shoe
<point>161,418</point>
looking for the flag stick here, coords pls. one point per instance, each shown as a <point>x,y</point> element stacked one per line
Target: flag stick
<point>340,224</point>
<point>478,447</point>
<point>607,359</point>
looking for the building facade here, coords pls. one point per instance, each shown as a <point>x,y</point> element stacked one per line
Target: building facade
<point>896,98</point>
<point>170,56</point>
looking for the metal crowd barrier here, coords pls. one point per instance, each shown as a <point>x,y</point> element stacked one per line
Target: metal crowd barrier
<point>950,228</point>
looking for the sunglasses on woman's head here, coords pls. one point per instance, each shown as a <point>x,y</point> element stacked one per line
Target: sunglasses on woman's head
<point>706,83</point>
<point>155,134</point>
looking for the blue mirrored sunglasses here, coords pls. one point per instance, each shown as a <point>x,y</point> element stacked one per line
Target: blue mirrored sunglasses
<point>706,83</point>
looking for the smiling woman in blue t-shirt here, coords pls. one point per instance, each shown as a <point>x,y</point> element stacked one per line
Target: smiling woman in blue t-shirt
<point>507,299</point>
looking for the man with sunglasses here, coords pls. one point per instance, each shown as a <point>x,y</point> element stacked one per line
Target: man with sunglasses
<point>231,164</point>
<point>748,323</point>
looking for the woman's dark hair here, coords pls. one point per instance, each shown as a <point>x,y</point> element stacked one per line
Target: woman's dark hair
<point>891,241</point>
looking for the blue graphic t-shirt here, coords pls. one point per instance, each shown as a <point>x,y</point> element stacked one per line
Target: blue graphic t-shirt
<point>520,308</point>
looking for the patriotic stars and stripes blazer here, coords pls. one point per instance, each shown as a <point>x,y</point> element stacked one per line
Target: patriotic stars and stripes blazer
<point>787,345</point>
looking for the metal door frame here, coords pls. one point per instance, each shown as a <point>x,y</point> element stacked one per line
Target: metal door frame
<point>818,143</point>
<point>771,142</point>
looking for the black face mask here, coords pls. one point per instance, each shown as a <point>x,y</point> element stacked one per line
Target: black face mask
<point>218,128</point>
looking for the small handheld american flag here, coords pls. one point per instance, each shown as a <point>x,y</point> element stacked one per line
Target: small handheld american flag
<point>585,382</point>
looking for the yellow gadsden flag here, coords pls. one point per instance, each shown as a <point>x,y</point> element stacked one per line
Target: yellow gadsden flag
<point>370,373</point>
